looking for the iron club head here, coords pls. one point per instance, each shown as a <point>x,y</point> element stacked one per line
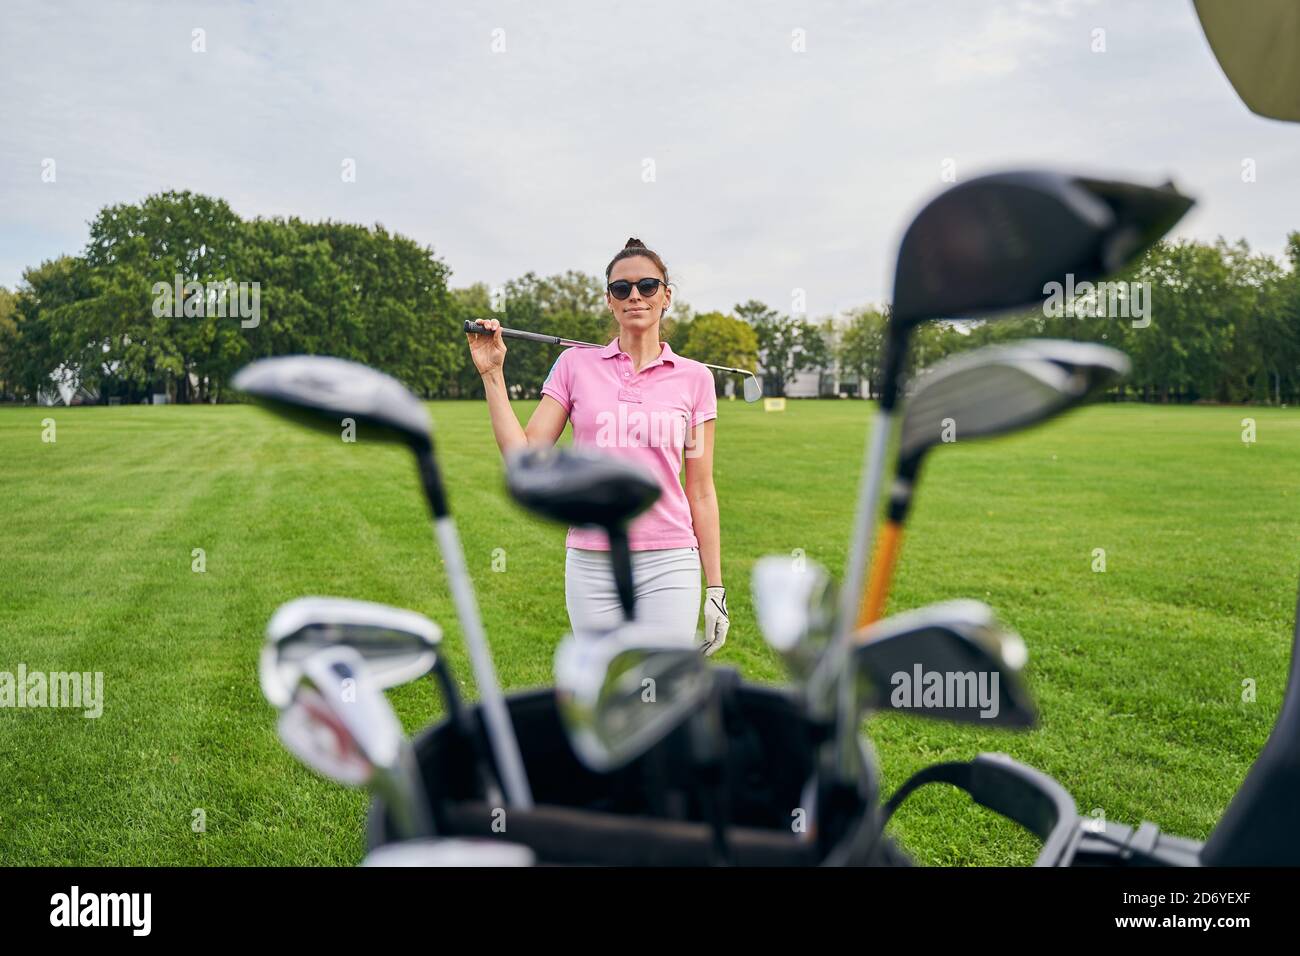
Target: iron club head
<point>950,661</point>
<point>622,692</point>
<point>397,645</point>
<point>339,724</point>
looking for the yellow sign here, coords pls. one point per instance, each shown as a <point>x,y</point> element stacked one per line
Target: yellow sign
<point>774,404</point>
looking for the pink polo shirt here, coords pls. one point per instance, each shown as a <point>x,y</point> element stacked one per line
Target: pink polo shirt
<point>642,417</point>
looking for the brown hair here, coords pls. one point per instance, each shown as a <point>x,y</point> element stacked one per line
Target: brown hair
<point>635,247</point>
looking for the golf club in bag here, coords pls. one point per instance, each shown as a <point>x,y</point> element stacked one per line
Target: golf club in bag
<point>622,691</point>
<point>321,392</point>
<point>780,738</point>
<point>397,646</point>
<point>704,770</point>
<point>979,249</point>
<point>581,487</point>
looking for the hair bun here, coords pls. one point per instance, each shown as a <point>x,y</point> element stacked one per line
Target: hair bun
<point>634,243</point>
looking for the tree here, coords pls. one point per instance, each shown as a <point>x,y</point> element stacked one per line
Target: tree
<point>786,346</point>
<point>862,346</point>
<point>47,334</point>
<point>8,342</point>
<point>721,340</point>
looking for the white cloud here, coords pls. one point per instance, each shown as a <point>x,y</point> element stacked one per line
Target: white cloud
<point>775,169</point>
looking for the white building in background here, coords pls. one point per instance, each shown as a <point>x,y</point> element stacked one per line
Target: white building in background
<point>828,382</point>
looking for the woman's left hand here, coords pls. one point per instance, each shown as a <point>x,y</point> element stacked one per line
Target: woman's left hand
<point>716,620</point>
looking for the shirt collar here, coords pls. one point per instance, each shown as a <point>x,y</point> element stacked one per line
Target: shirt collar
<point>665,354</point>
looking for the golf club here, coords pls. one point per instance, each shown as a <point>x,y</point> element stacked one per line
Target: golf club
<point>601,692</point>
<point>451,851</point>
<point>321,392</point>
<point>1257,45</point>
<point>990,391</point>
<point>338,723</point>
<point>949,661</point>
<point>397,645</point>
<point>621,692</point>
<point>977,249</point>
<point>753,388</point>
<point>794,602</point>
<point>581,487</point>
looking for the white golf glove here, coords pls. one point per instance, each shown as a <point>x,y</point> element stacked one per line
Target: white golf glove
<point>716,620</point>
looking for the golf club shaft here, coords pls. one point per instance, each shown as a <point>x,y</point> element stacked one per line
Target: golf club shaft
<point>501,733</point>
<point>864,527</point>
<point>406,797</point>
<point>471,326</point>
<point>505,746</point>
<point>882,572</point>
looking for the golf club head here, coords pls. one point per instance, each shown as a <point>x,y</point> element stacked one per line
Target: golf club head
<point>794,601</point>
<point>1257,45</point>
<point>583,487</point>
<point>451,851</point>
<point>1098,366</point>
<point>320,391</point>
<point>397,645</point>
<point>753,388</point>
<point>1002,388</point>
<point>620,693</point>
<point>579,486</point>
<point>337,722</point>
<point>991,244</point>
<point>950,661</point>
<point>340,724</point>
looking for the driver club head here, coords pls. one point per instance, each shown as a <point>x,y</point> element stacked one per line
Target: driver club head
<point>320,391</point>
<point>991,244</point>
<point>621,692</point>
<point>950,661</point>
<point>397,645</point>
<point>579,486</point>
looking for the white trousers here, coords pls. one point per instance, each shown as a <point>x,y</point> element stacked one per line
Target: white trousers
<point>666,583</point>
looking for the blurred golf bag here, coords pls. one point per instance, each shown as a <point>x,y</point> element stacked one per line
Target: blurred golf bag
<point>650,812</point>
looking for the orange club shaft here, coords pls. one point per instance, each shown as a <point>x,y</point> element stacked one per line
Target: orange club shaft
<point>882,572</point>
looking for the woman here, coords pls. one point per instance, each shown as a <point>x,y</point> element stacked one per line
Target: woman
<point>637,400</point>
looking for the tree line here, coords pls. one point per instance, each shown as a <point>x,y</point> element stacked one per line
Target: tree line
<point>173,294</point>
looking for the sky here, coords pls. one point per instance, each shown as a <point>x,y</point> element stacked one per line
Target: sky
<point>761,148</point>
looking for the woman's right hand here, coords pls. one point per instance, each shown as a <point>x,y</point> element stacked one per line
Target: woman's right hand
<point>488,351</point>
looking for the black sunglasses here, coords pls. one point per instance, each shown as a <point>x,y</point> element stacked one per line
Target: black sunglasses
<point>621,288</point>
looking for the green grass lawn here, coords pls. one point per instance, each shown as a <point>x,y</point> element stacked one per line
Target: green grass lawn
<point>1138,671</point>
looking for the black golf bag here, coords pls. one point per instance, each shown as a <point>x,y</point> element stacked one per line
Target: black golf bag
<point>653,811</point>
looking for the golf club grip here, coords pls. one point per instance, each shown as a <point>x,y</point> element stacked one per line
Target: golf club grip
<point>474,327</point>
